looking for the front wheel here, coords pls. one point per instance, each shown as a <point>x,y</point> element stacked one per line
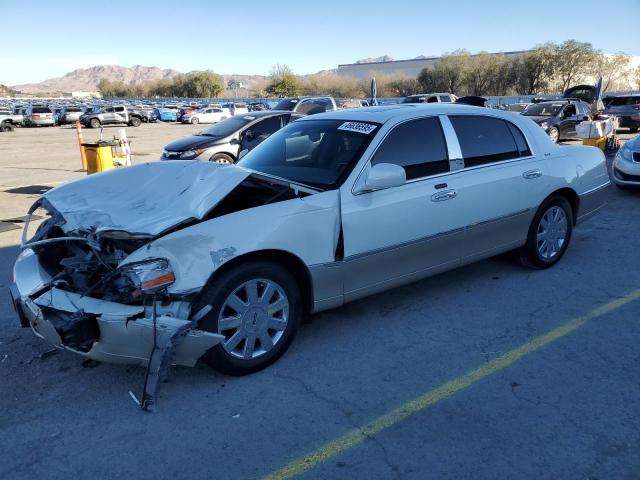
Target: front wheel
<point>554,134</point>
<point>257,307</point>
<point>549,234</point>
<point>222,158</point>
<point>135,122</point>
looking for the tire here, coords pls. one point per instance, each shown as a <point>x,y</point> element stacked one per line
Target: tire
<point>95,123</point>
<point>532,254</point>
<point>135,121</point>
<point>554,134</point>
<point>6,127</point>
<point>232,356</point>
<point>195,121</point>
<point>222,158</point>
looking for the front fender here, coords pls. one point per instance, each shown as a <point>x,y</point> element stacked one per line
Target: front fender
<point>306,227</point>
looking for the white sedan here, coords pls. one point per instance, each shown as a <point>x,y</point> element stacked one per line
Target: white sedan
<point>188,260</point>
<point>207,115</point>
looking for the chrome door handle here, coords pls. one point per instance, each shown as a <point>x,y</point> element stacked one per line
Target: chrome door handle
<point>442,196</point>
<point>532,174</point>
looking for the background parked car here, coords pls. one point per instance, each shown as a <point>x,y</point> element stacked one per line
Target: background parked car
<point>206,115</point>
<point>70,114</point>
<point>307,105</point>
<point>166,114</point>
<point>627,109</point>
<point>224,141</point>
<point>431,98</point>
<point>559,118</point>
<point>118,114</point>
<point>39,115</point>
<point>626,165</point>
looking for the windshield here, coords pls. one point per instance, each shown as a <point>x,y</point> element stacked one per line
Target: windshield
<point>286,104</point>
<point>319,153</point>
<point>543,109</point>
<point>227,127</point>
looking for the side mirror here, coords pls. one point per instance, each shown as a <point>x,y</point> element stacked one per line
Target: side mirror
<point>384,175</point>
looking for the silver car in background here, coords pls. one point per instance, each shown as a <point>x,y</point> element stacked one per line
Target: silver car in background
<point>626,165</point>
<point>39,115</point>
<point>627,109</point>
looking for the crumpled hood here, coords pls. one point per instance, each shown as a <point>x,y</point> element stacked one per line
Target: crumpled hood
<point>144,199</point>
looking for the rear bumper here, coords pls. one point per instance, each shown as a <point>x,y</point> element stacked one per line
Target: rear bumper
<point>94,328</point>
<point>592,201</point>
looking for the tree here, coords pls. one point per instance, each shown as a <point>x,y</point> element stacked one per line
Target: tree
<point>283,82</point>
<point>612,69</point>
<point>452,69</point>
<point>480,73</point>
<point>533,70</point>
<point>571,60</point>
<point>199,85</point>
<point>404,86</point>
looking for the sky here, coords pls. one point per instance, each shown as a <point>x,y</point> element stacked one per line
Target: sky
<point>51,38</point>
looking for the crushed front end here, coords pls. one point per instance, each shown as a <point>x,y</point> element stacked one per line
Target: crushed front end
<point>73,292</point>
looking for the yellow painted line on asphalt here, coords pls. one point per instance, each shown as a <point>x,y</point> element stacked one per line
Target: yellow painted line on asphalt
<point>358,435</point>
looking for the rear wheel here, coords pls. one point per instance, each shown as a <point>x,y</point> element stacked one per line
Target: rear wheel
<point>95,123</point>
<point>222,158</point>
<point>549,234</point>
<point>257,308</point>
<point>135,122</point>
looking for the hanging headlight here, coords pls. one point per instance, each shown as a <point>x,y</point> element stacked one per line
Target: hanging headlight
<point>151,276</point>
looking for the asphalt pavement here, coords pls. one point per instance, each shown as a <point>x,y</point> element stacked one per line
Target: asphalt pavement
<point>490,371</point>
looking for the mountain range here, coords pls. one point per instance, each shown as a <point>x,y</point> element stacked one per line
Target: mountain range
<point>86,79</point>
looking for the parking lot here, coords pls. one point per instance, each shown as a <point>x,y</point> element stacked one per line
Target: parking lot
<point>488,371</point>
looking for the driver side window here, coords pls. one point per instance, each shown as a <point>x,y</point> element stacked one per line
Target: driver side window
<point>418,146</point>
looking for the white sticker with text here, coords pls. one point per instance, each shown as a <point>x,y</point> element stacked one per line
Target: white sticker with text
<point>358,127</point>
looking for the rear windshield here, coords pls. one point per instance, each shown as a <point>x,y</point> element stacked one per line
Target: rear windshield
<point>41,110</point>
<point>286,104</point>
<point>73,109</point>
<point>620,101</point>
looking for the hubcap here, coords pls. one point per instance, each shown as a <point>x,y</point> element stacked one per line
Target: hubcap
<point>554,134</point>
<point>552,232</point>
<point>253,318</point>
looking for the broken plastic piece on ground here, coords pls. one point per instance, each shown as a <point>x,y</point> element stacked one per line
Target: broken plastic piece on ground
<point>160,361</point>
<point>48,353</point>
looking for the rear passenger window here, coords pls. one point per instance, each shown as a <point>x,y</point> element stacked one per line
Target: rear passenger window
<point>523,147</point>
<point>484,140</point>
<point>418,146</point>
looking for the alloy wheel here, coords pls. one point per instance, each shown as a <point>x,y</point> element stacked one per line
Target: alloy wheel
<point>253,318</point>
<point>552,232</point>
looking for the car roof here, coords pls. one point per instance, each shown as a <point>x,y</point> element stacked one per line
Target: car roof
<point>402,110</point>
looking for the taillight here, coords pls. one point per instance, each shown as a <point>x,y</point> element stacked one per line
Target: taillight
<point>35,115</point>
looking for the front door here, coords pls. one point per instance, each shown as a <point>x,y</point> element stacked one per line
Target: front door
<point>400,234</point>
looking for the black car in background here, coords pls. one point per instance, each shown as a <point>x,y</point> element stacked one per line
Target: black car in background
<point>224,141</point>
<point>559,118</point>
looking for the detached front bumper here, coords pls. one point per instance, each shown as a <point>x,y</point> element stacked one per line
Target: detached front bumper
<point>98,329</point>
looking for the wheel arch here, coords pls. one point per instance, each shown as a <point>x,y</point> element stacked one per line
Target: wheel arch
<point>291,262</point>
<point>571,196</point>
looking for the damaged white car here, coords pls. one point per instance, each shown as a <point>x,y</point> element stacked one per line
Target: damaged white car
<point>199,260</point>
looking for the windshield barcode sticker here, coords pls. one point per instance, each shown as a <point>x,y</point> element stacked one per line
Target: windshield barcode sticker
<point>358,127</point>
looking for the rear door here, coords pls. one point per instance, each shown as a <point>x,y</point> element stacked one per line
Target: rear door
<point>500,186</point>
